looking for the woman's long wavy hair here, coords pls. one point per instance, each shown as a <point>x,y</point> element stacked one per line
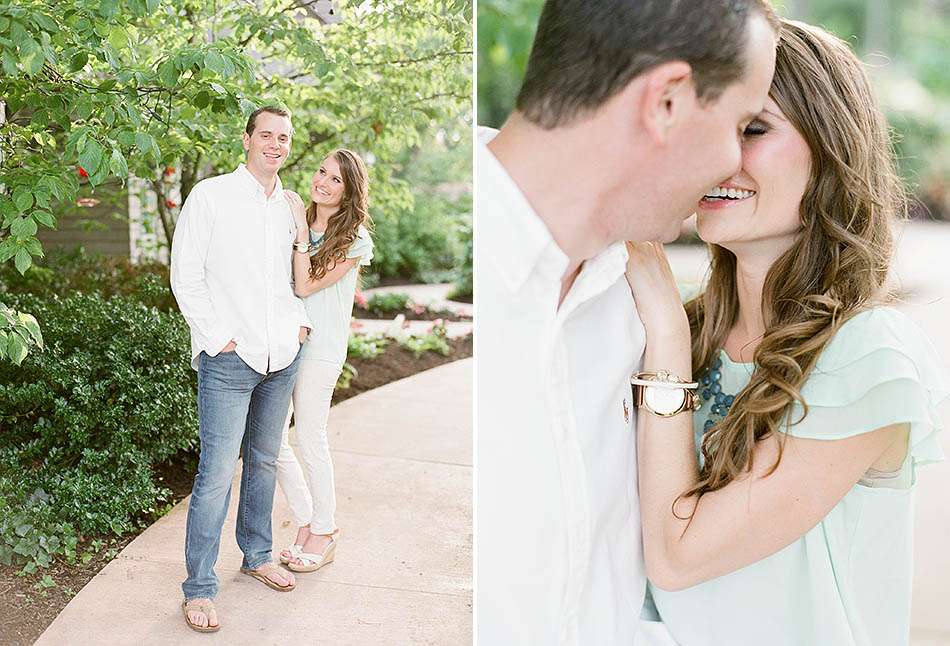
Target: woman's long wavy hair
<point>836,268</point>
<point>343,226</point>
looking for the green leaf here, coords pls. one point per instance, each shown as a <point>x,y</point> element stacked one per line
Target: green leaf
<point>126,138</point>
<point>23,227</point>
<point>118,165</point>
<point>152,5</point>
<point>106,85</point>
<point>78,61</point>
<point>42,197</point>
<point>16,351</point>
<point>202,99</point>
<point>23,198</point>
<point>23,530</point>
<point>33,327</point>
<point>168,73</point>
<point>118,37</point>
<point>108,8</point>
<point>90,157</point>
<point>215,62</point>
<point>23,261</point>
<point>8,249</point>
<point>147,146</point>
<point>33,62</point>
<point>34,246</point>
<point>218,89</point>
<point>100,175</point>
<point>10,63</point>
<point>45,218</point>
<point>45,22</point>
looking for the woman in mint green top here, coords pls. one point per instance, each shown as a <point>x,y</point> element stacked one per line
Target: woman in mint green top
<point>818,403</point>
<point>333,243</point>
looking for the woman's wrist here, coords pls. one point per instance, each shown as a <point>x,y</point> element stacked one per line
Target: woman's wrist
<point>668,348</point>
<point>669,329</point>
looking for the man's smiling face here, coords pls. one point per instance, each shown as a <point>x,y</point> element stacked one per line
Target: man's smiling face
<point>269,145</point>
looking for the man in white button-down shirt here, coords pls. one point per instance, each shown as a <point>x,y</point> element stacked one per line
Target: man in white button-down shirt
<point>231,275</point>
<point>629,111</point>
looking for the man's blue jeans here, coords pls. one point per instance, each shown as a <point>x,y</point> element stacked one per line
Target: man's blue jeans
<point>238,410</point>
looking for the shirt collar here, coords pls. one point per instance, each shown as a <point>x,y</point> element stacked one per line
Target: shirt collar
<point>250,183</point>
<point>521,242</point>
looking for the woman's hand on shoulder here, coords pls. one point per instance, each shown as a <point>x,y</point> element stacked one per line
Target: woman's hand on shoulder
<point>654,290</point>
<point>297,208</point>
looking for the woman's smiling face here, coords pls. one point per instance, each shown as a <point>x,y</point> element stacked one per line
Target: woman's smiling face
<point>762,201</point>
<point>326,187</point>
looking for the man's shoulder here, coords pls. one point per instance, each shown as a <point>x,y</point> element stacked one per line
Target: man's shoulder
<point>213,184</point>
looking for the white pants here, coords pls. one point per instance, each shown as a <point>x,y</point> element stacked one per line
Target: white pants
<point>308,484</point>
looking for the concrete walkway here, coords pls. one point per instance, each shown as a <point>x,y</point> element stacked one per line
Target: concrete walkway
<point>402,574</point>
<point>920,273</point>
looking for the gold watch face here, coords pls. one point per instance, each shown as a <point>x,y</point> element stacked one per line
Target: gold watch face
<point>663,401</point>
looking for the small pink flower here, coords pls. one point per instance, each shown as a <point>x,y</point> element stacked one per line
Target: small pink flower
<point>417,309</point>
<point>360,299</point>
<point>355,325</point>
<point>438,323</point>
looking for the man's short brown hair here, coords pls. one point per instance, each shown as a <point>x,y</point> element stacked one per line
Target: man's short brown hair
<point>272,109</point>
<point>586,52</point>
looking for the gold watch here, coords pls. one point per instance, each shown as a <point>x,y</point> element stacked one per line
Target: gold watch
<point>663,393</point>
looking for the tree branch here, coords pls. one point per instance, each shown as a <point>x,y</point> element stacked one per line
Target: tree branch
<point>421,59</point>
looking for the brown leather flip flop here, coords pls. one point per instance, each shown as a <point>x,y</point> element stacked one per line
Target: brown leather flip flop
<point>261,575</point>
<point>203,606</point>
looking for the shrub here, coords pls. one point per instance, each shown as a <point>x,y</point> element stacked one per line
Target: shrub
<point>418,244</point>
<point>64,272</point>
<point>391,303</point>
<point>366,346</point>
<point>83,423</point>
<point>464,282</point>
<point>435,340</point>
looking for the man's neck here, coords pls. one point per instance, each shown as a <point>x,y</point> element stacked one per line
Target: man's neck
<point>266,180</point>
<point>558,177</point>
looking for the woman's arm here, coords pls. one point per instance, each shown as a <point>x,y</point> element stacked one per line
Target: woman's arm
<point>304,285</point>
<point>755,515</point>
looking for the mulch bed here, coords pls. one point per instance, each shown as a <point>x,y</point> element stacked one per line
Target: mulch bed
<point>425,314</point>
<point>26,611</point>
<point>395,363</point>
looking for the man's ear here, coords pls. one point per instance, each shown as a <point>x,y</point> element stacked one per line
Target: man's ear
<point>247,142</point>
<point>668,98</point>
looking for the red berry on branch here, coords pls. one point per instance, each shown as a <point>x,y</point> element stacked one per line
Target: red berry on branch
<point>170,203</point>
<point>169,170</point>
<point>82,172</point>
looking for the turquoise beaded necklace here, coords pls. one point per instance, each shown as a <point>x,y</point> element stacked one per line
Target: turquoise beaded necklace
<point>710,381</point>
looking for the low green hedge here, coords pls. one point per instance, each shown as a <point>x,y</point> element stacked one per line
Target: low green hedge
<point>65,272</point>
<point>84,422</point>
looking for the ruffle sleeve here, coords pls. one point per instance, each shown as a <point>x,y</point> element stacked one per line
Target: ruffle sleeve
<point>362,247</point>
<point>878,370</point>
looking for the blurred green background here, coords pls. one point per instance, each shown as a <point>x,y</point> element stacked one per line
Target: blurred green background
<point>906,44</point>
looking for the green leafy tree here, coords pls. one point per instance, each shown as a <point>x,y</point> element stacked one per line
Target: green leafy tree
<point>95,89</point>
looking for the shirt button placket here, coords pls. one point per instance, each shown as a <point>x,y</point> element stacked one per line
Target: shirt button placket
<point>268,295</point>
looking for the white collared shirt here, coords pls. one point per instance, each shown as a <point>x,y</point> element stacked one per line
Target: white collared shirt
<point>231,271</point>
<point>557,525</point>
